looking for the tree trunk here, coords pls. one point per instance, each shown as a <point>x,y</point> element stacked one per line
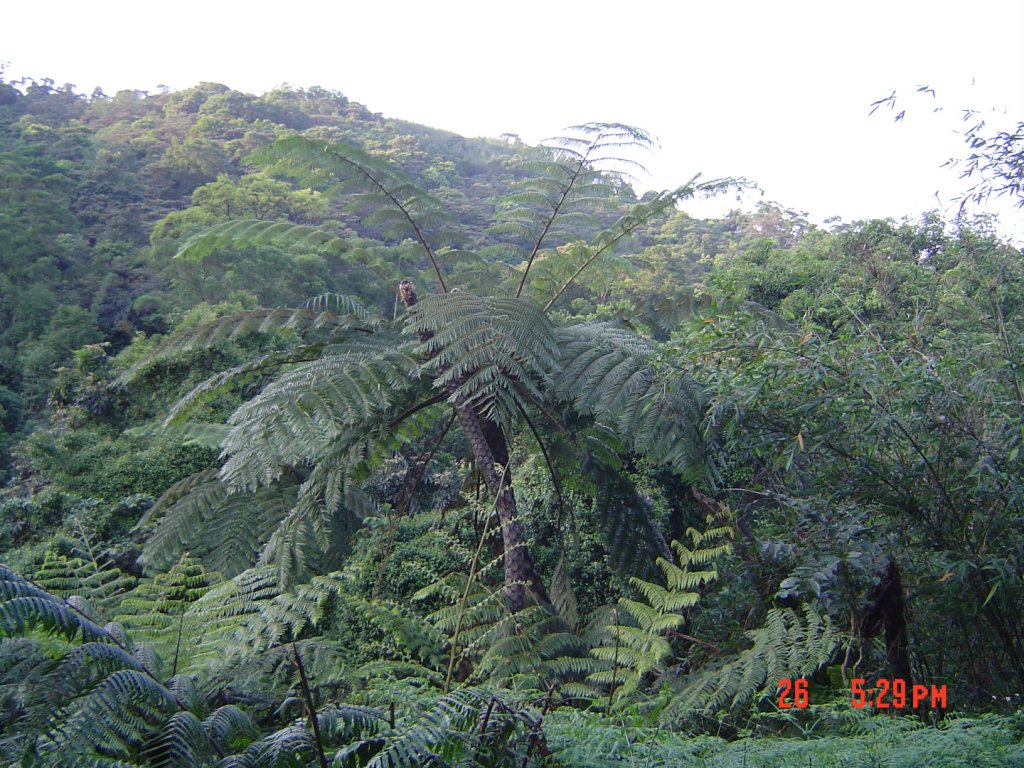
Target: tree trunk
<point>490,452</point>
<point>885,611</point>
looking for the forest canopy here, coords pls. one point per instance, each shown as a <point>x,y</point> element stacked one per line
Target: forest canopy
<point>333,439</point>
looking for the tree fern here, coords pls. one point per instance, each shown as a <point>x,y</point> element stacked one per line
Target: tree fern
<point>327,420</point>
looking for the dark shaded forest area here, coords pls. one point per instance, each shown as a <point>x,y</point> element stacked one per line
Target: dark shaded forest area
<point>332,439</point>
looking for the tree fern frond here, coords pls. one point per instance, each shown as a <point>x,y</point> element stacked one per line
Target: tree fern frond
<point>488,349</point>
<point>632,535</point>
<point>113,717</point>
<point>375,183</point>
<point>248,233</point>
<point>612,374</point>
<point>230,728</point>
<point>289,747</point>
<point>181,743</point>
<point>563,597</point>
<point>461,725</point>
<point>24,606</point>
<point>204,435</point>
<point>173,494</point>
<point>184,520</point>
<point>638,215</point>
<point>306,411</point>
<point>240,324</point>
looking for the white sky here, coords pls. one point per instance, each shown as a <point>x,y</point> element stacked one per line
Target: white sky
<point>773,90</point>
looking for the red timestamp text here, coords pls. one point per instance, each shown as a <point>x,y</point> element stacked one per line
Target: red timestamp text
<point>885,694</point>
<point>797,689</point>
<point>896,694</point>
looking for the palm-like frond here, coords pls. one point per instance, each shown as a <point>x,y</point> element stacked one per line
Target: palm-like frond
<point>114,717</point>
<point>315,407</point>
<point>24,606</point>
<point>568,181</point>
<point>631,533</point>
<point>227,531</point>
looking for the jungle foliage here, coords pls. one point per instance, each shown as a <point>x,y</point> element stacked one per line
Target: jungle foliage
<point>336,440</point>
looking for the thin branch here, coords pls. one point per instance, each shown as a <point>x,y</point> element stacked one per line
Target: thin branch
<point>554,215</point>
<point>439,398</point>
<point>547,460</point>
<point>307,694</point>
<point>398,204</point>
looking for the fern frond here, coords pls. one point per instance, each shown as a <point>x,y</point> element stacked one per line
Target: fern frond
<point>374,184</point>
<point>636,644</point>
<point>173,494</point>
<point>632,535</point>
<point>249,233</point>
<point>238,325</point>
<point>230,531</point>
<point>114,717</point>
<point>94,588</point>
<point>307,411</point>
<point>492,350</point>
<point>786,645</point>
<point>638,215</point>
<point>458,726</point>
<point>182,743</point>
<point>200,434</point>
<point>24,607</point>
<point>289,747</point>
<point>230,728</point>
<point>611,374</point>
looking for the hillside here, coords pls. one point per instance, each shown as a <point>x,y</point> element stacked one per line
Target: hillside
<point>336,439</point>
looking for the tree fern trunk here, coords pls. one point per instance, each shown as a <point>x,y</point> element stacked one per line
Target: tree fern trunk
<point>490,455</point>
<point>490,451</point>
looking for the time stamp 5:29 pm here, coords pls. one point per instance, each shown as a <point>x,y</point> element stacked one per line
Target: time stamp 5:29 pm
<point>885,694</point>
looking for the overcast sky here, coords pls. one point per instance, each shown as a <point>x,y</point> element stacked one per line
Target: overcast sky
<point>775,91</point>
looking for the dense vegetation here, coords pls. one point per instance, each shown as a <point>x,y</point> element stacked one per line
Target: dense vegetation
<point>330,439</point>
